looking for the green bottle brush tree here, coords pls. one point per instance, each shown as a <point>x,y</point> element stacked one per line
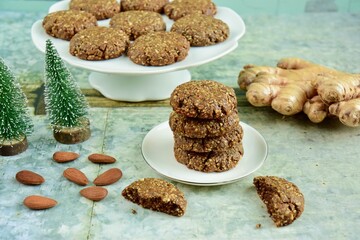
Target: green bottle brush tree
<point>66,106</point>
<point>15,121</point>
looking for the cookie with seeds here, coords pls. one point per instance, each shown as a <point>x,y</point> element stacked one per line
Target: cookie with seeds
<point>180,8</point>
<point>208,144</point>
<point>147,5</point>
<point>137,23</point>
<point>66,23</point>
<point>202,128</point>
<point>99,43</point>
<point>156,194</point>
<point>283,199</point>
<point>101,9</point>
<point>210,161</point>
<point>205,99</point>
<point>159,49</point>
<point>201,30</point>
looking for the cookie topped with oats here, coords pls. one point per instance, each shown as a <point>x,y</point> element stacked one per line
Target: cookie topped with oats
<point>147,5</point>
<point>99,43</point>
<point>66,23</point>
<point>201,30</point>
<point>137,23</point>
<point>204,99</point>
<point>101,9</point>
<point>180,8</point>
<point>159,49</point>
<point>283,199</point>
<point>156,194</point>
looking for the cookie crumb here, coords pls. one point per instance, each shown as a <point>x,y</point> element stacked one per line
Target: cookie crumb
<point>133,211</point>
<point>258,226</point>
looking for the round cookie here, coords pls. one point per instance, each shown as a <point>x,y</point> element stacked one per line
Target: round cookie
<point>101,9</point>
<point>203,99</point>
<point>147,5</point>
<point>210,161</point>
<point>66,23</point>
<point>180,8</point>
<point>137,23</point>
<point>222,143</point>
<point>159,49</point>
<point>202,128</point>
<point>201,30</point>
<point>99,43</point>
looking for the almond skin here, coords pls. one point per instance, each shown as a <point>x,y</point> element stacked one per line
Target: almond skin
<point>39,202</point>
<point>101,158</point>
<point>108,177</point>
<point>76,176</point>
<point>29,178</point>
<point>94,193</point>
<point>62,157</point>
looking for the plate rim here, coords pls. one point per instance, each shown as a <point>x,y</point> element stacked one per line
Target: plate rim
<point>261,163</point>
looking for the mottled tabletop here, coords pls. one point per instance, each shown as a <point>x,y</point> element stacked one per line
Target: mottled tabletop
<point>321,159</point>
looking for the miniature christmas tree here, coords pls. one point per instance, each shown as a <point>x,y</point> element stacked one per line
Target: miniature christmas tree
<point>66,106</point>
<point>15,121</point>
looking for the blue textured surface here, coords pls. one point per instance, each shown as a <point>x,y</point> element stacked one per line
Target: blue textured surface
<point>323,159</point>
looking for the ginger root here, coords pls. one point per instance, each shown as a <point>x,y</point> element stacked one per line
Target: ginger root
<point>296,85</point>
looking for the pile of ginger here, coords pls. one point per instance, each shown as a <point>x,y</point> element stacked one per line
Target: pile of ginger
<point>296,85</point>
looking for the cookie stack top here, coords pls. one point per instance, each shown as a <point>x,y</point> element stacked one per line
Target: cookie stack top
<point>203,99</point>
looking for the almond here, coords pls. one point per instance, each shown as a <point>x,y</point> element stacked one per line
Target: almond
<point>29,178</point>
<point>39,202</point>
<point>62,157</point>
<point>101,158</point>
<point>108,177</point>
<point>94,193</point>
<point>76,176</point>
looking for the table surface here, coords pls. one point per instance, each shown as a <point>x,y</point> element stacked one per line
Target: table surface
<point>321,159</point>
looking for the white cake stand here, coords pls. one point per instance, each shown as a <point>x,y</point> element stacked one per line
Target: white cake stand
<point>121,79</point>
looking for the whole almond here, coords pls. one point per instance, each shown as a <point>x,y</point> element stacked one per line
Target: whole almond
<point>62,157</point>
<point>39,202</point>
<point>76,176</point>
<point>29,178</point>
<point>94,193</point>
<point>108,177</point>
<point>101,158</point>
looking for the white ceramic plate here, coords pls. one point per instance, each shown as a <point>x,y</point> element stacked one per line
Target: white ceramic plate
<point>122,65</point>
<point>157,150</point>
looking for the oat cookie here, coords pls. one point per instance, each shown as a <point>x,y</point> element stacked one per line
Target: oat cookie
<point>208,144</point>
<point>147,5</point>
<point>283,199</point>
<point>66,23</point>
<point>203,99</point>
<point>159,49</point>
<point>101,9</point>
<point>180,8</point>
<point>210,161</point>
<point>156,194</point>
<point>201,128</point>
<point>201,30</point>
<point>137,23</point>
<point>99,43</point>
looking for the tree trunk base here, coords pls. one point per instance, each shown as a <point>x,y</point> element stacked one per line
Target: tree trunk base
<point>73,135</point>
<point>13,147</point>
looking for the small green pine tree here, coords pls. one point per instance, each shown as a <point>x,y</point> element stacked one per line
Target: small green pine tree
<point>65,104</point>
<point>15,121</point>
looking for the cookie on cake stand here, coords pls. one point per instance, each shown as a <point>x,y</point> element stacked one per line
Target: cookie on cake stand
<point>122,79</point>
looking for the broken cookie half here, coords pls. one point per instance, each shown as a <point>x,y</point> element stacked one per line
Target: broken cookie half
<point>283,199</point>
<point>156,194</point>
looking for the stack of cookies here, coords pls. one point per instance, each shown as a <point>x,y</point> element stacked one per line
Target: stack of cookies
<point>205,124</point>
